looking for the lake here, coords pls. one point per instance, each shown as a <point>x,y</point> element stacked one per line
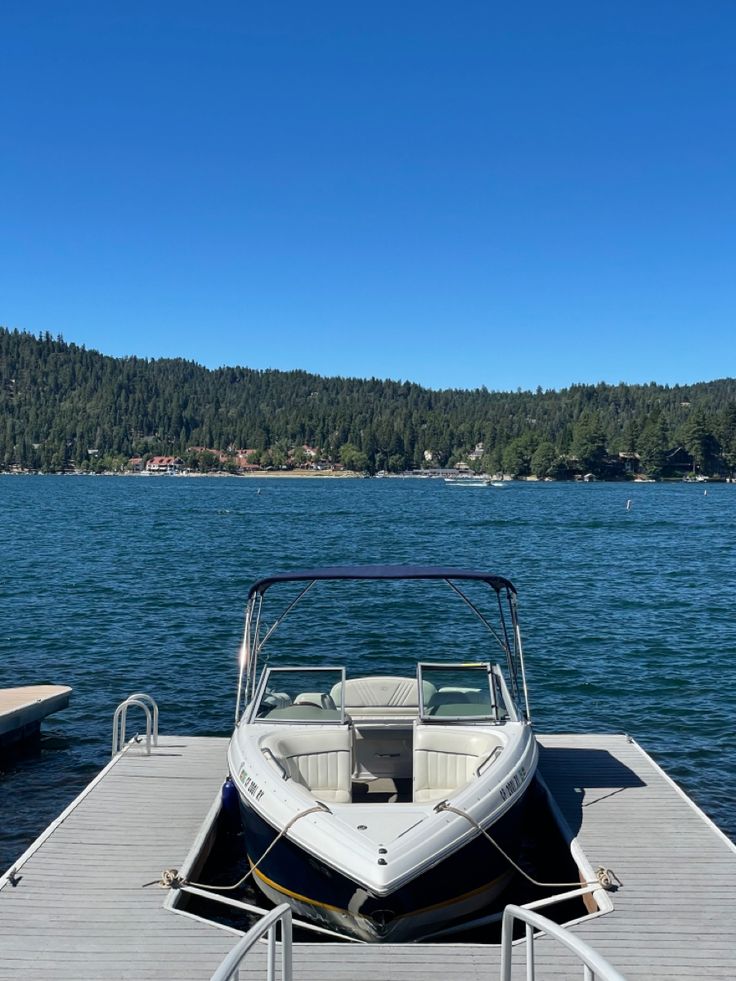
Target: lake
<point>114,585</point>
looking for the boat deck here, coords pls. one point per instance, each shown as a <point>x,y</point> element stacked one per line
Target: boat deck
<point>79,908</point>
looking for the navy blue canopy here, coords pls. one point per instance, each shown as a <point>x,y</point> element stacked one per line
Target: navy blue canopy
<point>381,572</point>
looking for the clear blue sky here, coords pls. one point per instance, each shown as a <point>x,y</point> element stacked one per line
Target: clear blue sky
<point>459,194</point>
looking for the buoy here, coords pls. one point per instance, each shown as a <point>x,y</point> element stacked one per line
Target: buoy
<point>628,504</point>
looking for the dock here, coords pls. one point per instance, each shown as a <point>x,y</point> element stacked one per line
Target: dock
<point>77,906</point>
<point>23,709</point>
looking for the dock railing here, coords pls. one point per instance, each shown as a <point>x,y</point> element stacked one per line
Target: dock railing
<point>595,967</point>
<point>229,969</point>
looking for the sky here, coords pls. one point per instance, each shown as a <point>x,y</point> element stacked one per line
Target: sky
<point>463,194</point>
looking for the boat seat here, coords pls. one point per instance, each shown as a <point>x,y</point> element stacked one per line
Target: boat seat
<point>318,698</point>
<point>382,696</point>
<point>446,758</point>
<point>319,759</point>
<point>447,698</point>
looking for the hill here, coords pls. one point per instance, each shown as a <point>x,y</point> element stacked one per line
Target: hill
<point>67,407</point>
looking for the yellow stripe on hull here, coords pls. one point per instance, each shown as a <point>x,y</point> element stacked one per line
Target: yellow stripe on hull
<point>344,916</point>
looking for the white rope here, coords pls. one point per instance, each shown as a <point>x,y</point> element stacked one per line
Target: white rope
<point>170,878</point>
<point>604,877</point>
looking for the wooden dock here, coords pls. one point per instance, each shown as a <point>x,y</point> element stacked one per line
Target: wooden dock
<point>76,907</point>
<point>22,710</point>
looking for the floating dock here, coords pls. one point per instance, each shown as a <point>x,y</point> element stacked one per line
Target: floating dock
<point>76,905</point>
<point>23,709</point>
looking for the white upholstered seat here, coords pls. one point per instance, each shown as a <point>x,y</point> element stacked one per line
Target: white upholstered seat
<point>384,696</point>
<point>319,759</point>
<point>446,758</point>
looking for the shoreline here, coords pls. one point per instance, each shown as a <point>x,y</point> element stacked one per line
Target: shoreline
<point>260,474</point>
<point>346,475</point>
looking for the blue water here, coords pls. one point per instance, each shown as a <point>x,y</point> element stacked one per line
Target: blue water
<point>113,585</point>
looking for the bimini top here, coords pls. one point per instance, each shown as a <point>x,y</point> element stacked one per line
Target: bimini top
<point>381,572</point>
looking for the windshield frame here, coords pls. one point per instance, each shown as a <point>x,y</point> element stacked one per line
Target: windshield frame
<point>263,684</point>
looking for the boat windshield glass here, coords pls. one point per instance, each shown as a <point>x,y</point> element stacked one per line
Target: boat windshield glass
<point>460,692</point>
<point>303,695</point>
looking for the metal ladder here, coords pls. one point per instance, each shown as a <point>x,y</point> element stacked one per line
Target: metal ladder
<point>138,700</point>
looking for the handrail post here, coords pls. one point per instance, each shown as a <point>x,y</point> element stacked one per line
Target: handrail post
<point>529,952</point>
<point>271,969</point>
<point>286,946</point>
<point>507,936</point>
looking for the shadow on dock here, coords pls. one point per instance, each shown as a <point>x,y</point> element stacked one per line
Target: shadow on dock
<point>567,771</point>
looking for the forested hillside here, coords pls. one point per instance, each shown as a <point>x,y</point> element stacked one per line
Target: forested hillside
<point>66,407</point>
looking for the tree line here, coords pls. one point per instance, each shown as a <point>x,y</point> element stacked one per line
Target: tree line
<point>65,407</point>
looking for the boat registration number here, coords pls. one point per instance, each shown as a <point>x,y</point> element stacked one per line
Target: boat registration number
<point>250,786</point>
<point>511,786</point>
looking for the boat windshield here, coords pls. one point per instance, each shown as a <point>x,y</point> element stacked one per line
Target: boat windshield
<point>389,617</point>
<point>304,695</point>
<point>462,692</point>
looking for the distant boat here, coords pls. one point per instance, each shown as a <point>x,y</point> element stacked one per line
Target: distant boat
<point>498,483</point>
<point>468,481</point>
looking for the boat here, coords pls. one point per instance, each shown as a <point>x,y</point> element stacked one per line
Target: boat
<point>468,481</point>
<point>367,801</point>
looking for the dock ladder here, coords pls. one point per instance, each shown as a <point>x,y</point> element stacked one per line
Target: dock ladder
<point>138,700</point>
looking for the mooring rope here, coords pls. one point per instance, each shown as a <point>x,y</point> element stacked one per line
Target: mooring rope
<point>170,878</point>
<point>605,878</point>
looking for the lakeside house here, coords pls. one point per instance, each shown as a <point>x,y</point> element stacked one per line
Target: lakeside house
<point>164,464</point>
<point>243,460</point>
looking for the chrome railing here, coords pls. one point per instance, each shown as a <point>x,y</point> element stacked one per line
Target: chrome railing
<point>139,700</point>
<point>229,969</point>
<point>595,967</point>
